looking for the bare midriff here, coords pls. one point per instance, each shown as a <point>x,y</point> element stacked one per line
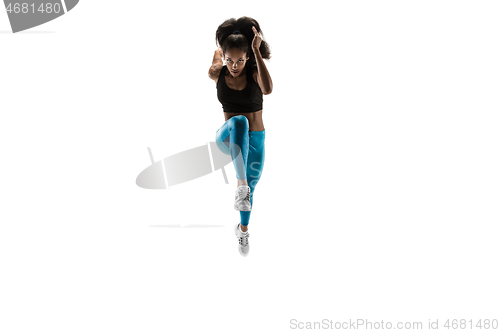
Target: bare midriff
<point>254,119</point>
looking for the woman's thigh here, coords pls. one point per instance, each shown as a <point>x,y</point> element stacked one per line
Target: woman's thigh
<point>222,138</point>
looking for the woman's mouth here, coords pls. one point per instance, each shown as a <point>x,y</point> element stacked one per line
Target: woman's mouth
<point>234,72</point>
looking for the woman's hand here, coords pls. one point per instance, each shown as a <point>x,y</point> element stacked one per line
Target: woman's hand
<point>256,40</point>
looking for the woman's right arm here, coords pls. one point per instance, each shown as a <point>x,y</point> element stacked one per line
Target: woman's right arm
<point>217,64</point>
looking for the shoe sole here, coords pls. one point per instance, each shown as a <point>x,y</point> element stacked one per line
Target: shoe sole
<point>243,210</point>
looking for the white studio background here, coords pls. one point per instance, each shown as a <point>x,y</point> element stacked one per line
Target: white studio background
<point>378,199</point>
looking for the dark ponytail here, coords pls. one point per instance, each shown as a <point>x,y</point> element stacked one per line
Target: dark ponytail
<point>225,38</point>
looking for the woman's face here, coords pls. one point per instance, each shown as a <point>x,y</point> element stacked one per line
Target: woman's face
<point>235,61</point>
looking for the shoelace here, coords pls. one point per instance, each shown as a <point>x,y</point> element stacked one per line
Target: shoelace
<point>243,239</point>
<point>247,197</point>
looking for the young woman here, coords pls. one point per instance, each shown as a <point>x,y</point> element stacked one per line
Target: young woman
<point>240,85</point>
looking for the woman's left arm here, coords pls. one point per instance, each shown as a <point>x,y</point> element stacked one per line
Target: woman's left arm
<point>263,77</point>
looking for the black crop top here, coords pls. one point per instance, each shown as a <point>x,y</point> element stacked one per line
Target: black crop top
<point>247,100</point>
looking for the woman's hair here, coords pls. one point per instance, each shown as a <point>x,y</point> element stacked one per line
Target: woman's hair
<point>243,40</point>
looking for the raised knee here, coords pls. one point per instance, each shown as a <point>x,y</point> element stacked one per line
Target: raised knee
<point>240,121</point>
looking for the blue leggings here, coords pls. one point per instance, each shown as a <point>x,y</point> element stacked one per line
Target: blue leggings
<point>234,137</point>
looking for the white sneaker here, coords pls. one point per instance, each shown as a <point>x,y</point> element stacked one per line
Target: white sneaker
<point>243,245</point>
<point>242,198</point>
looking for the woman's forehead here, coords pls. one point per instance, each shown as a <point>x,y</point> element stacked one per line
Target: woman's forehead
<point>235,54</point>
